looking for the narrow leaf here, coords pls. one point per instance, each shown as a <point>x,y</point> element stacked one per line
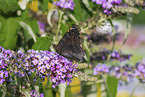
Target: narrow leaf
<point>26,93</point>
<point>73,18</point>
<point>86,3</point>
<point>49,15</point>
<point>87,50</point>
<point>28,29</point>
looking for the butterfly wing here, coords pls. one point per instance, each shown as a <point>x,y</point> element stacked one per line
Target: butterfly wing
<point>72,51</point>
<point>69,46</point>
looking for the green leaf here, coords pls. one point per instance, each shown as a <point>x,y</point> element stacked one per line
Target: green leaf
<point>8,33</point>
<point>42,43</point>
<point>9,5</point>
<point>45,5</point>
<point>112,84</point>
<point>24,15</point>
<point>77,10</point>
<point>80,12</point>
<point>64,28</point>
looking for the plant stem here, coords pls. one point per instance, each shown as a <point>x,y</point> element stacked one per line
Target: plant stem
<point>134,90</point>
<point>62,88</point>
<point>128,29</point>
<point>4,91</point>
<point>113,31</point>
<point>59,23</point>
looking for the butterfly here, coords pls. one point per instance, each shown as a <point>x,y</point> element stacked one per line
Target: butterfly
<point>69,46</point>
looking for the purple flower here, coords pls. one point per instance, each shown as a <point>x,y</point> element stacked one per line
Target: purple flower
<point>41,26</point>
<point>53,79</point>
<point>35,62</point>
<point>58,72</point>
<point>67,4</point>
<point>100,1</point>
<point>105,68</point>
<point>2,80</point>
<point>63,70</point>
<point>48,66</point>
<point>1,74</point>
<point>100,68</point>
<point>39,63</point>
<point>6,73</point>
<point>63,76</point>
<point>107,4</point>
<point>41,95</point>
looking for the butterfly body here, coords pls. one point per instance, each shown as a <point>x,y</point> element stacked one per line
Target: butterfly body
<point>69,46</point>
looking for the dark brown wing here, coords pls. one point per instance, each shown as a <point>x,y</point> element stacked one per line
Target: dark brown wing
<point>69,46</point>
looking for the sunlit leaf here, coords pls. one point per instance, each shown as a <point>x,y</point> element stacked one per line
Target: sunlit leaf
<point>99,94</point>
<point>33,5</point>
<point>45,83</point>
<point>23,4</point>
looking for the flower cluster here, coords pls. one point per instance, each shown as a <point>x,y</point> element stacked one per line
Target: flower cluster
<point>39,64</point>
<point>100,69</point>
<point>107,4</point>
<point>114,55</point>
<point>125,72</point>
<point>67,4</point>
<point>5,58</point>
<point>140,70</point>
